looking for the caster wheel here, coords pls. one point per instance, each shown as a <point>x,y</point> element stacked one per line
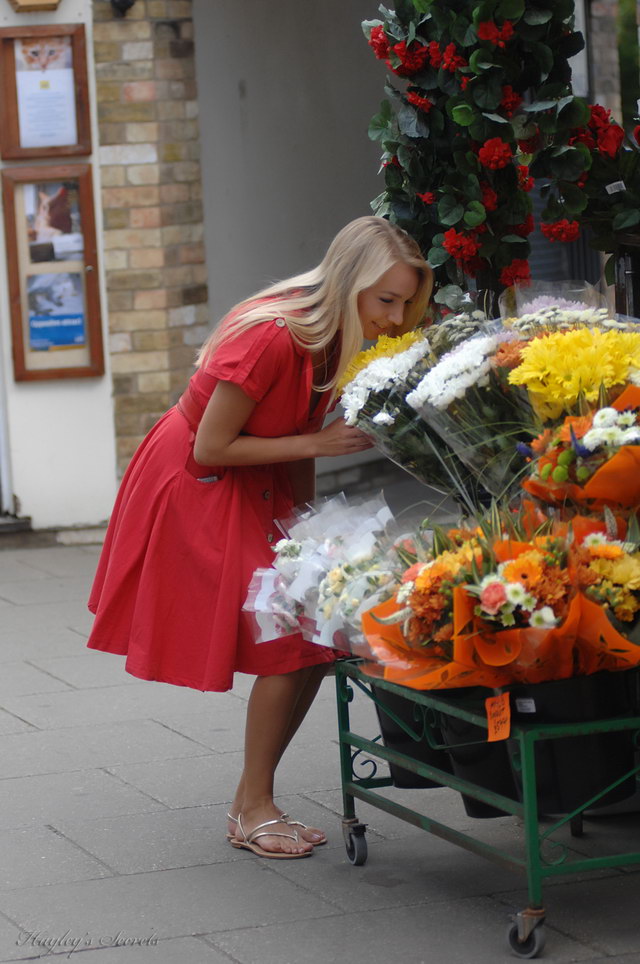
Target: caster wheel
<point>357,849</point>
<point>533,945</point>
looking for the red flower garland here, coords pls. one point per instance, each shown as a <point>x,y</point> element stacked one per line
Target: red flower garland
<point>460,246</point>
<point>563,230</point>
<point>518,272</point>
<point>525,182</point>
<point>510,100</point>
<point>451,59</point>
<point>498,36</point>
<point>417,100</point>
<point>412,58</point>
<point>378,42</point>
<point>495,154</point>
<point>489,197</point>
<point>428,197</point>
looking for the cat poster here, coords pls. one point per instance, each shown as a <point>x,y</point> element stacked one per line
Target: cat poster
<point>46,91</point>
<point>54,229</point>
<point>56,311</point>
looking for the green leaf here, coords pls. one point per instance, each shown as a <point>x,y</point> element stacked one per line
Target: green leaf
<point>463,114</point>
<point>523,126</point>
<point>513,239</point>
<point>437,256</point>
<point>626,219</point>
<point>448,295</point>
<point>481,60</point>
<point>535,16</point>
<point>411,122</point>
<point>475,214</point>
<point>496,118</point>
<point>487,92</point>
<point>543,57</point>
<point>569,164</point>
<point>539,105</point>
<point>574,113</point>
<point>381,122</point>
<point>511,9</point>
<point>574,198</point>
<point>610,270</point>
<point>450,211</point>
<point>368,25</point>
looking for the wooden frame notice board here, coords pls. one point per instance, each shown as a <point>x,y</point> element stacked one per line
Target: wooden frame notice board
<point>44,107</point>
<point>53,272</point>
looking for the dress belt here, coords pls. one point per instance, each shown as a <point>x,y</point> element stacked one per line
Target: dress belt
<point>190,409</point>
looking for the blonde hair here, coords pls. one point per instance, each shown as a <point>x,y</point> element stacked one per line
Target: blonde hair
<point>317,304</point>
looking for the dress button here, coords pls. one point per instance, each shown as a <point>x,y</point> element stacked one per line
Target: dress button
<point>280,322</point>
<point>270,537</point>
<point>266,494</point>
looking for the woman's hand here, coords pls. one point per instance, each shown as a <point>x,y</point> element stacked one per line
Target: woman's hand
<point>338,438</point>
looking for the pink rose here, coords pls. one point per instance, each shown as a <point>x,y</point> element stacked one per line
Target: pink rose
<point>493,597</point>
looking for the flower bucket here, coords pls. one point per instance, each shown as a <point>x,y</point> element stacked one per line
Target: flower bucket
<point>395,738</point>
<point>475,759</point>
<point>571,770</point>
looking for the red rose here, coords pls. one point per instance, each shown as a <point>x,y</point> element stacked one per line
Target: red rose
<point>459,246</point>
<point>428,197</point>
<point>600,116</point>
<point>525,182</point>
<point>412,58</point>
<point>518,272</point>
<point>422,103</point>
<point>610,140</point>
<point>495,153</point>
<point>378,42</point>
<point>464,83</point>
<point>489,197</point>
<point>582,135</point>
<point>435,54</point>
<point>524,229</point>
<point>510,100</point>
<point>451,59</point>
<point>561,230</point>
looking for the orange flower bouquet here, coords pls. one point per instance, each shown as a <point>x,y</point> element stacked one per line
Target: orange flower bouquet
<point>487,611</point>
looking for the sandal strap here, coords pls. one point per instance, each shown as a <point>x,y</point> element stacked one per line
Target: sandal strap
<point>265,833</point>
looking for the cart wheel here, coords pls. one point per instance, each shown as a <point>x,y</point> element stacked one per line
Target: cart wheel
<point>533,945</point>
<point>357,848</point>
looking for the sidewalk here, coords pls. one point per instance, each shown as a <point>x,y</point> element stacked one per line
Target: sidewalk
<point>113,795</point>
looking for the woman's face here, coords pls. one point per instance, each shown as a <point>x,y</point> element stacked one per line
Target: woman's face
<point>381,307</point>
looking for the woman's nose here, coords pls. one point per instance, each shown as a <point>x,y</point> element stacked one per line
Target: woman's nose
<point>396,314</point>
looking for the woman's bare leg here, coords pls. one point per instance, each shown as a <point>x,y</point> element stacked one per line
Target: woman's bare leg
<point>269,713</point>
<point>305,697</point>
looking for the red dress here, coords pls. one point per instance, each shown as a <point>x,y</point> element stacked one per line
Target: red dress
<point>184,539</point>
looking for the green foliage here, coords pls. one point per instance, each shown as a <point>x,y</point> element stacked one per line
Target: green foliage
<point>505,84</point>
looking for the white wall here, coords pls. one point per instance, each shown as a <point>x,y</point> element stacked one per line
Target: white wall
<point>286,91</point>
<point>57,444</point>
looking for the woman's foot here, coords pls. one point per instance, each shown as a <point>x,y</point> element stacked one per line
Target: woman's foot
<point>310,835</point>
<point>279,837</point>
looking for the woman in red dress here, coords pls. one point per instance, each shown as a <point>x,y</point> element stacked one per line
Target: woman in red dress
<point>196,512</point>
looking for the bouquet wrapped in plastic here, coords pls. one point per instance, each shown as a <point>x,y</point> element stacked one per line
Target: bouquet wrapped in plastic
<point>333,564</point>
<point>489,609</point>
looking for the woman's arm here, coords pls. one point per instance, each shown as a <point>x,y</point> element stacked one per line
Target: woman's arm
<point>219,442</point>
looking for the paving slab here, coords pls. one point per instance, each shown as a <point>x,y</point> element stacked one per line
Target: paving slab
<point>23,642</point>
<point>13,724</point>
<point>19,678</point>
<point>54,751</point>
<point>171,903</point>
<point>54,797</point>
<point>59,561</point>
<point>29,592</point>
<point>43,855</point>
<point>87,669</point>
<point>466,931</point>
<point>133,700</point>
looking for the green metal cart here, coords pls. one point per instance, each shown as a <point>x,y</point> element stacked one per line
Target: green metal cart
<point>526,932</point>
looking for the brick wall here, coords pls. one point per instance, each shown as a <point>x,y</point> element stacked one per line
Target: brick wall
<point>153,245</point>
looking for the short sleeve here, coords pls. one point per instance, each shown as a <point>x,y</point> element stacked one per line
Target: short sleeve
<point>255,359</point>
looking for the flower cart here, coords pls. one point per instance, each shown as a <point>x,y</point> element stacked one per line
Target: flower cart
<point>542,858</point>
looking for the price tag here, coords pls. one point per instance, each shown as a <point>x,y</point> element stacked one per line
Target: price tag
<point>615,187</point>
<point>498,717</point>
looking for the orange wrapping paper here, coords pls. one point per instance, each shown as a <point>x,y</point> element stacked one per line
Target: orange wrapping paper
<point>584,643</point>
